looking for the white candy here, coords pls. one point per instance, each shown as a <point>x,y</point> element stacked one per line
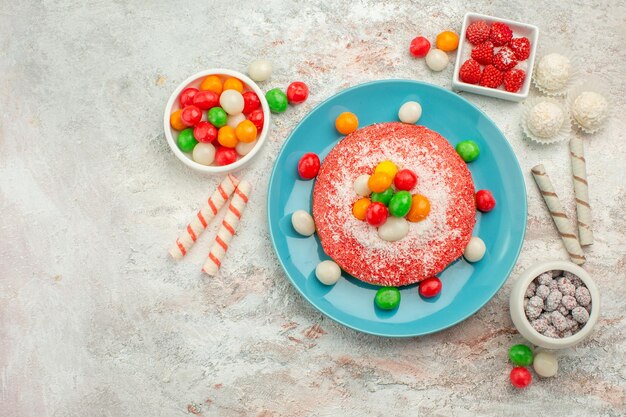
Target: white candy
<point>590,109</point>
<point>410,112</point>
<point>437,60</point>
<point>203,153</point>
<point>545,119</point>
<point>233,121</point>
<point>303,223</point>
<point>231,101</point>
<point>395,228</point>
<point>545,364</point>
<point>361,187</point>
<point>328,272</point>
<point>553,71</point>
<point>244,148</point>
<point>475,249</point>
<point>260,70</point>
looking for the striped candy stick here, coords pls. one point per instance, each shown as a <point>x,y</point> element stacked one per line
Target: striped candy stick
<point>563,225</point>
<point>227,229</point>
<point>579,173</point>
<point>188,236</point>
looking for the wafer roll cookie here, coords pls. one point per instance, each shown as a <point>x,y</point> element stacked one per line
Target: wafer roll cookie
<point>562,222</point>
<point>190,234</point>
<point>227,229</point>
<point>579,173</point>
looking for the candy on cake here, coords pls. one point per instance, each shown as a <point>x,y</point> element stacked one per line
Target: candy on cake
<point>553,73</point>
<point>545,120</point>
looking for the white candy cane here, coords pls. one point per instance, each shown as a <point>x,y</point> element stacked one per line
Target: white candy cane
<point>190,234</point>
<point>227,229</point>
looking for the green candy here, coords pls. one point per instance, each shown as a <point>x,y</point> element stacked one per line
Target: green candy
<point>400,204</point>
<point>217,117</point>
<point>383,197</point>
<point>521,355</point>
<point>468,150</point>
<point>186,141</point>
<point>277,100</point>
<point>387,298</point>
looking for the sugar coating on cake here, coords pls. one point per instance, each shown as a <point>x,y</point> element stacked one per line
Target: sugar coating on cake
<point>430,245</point>
<point>553,72</point>
<point>545,119</point>
<point>590,109</point>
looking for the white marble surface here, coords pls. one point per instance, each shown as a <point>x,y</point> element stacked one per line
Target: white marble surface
<point>95,320</point>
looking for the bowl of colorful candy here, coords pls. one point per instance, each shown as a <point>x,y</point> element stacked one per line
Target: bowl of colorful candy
<point>216,121</point>
<point>555,304</point>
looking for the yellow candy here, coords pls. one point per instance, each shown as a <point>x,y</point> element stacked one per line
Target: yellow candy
<point>420,207</point>
<point>212,83</point>
<point>246,131</point>
<point>346,123</point>
<point>176,121</point>
<point>233,84</point>
<point>379,182</point>
<point>388,168</point>
<point>360,208</point>
<point>226,137</point>
<point>447,41</point>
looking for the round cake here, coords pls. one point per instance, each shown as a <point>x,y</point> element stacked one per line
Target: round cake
<point>431,244</point>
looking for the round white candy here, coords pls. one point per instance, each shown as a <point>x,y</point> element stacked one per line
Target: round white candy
<point>545,119</point>
<point>361,187</point>
<point>545,364</point>
<point>437,60</point>
<point>244,148</point>
<point>260,70</point>
<point>553,71</point>
<point>590,109</point>
<point>234,120</point>
<point>203,153</point>
<point>410,112</point>
<point>475,249</point>
<point>395,228</point>
<point>303,223</point>
<point>231,101</point>
<point>328,272</point>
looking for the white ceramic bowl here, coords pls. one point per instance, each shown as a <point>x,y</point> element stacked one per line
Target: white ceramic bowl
<point>464,49</point>
<point>173,104</point>
<point>518,315</point>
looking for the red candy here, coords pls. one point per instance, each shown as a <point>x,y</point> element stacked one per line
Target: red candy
<point>191,115</point>
<point>430,287</point>
<point>297,92</point>
<point>308,166</point>
<point>405,179</point>
<point>205,132</point>
<point>206,100</point>
<point>485,201</point>
<point>470,72</point>
<point>376,214</point>
<point>477,32</point>
<point>225,156</point>
<point>500,33</point>
<point>483,53</point>
<point>521,47</point>
<point>419,47</point>
<point>186,96</point>
<point>504,59</point>
<point>257,117</point>
<point>492,77</point>
<point>520,377</point>
<point>514,80</point>
<point>250,102</point>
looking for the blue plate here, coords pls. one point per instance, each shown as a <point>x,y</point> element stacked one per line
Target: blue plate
<point>466,287</point>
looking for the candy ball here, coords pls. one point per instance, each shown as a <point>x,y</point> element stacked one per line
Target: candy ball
<point>191,115</point>
<point>346,123</point>
<point>244,148</point>
<point>176,122</point>
<point>260,70</point>
<point>212,83</point>
<point>384,197</point>
<point>387,298</point>
<point>246,131</point>
<point>379,182</point>
<point>277,100</point>
<point>400,204</point>
<point>234,120</point>
<point>205,132</point>
<point>419,47</point>
<point>376,214</point>
<point>257,117</point>
<point>297,92</point>
<point>475,249</point>
<point>468,150</point>
<point>420,208</point>
<point>360,185</point>
<point>186,141</point>
<point>437,60</point>
<point>303,223</point>
<point>225,156</point>
<point>447,41</point>
<point>231,101</point>
<point>520,377</point>
<point>485,201</point>
<point>521,355</point>
<point>217,117</point>
<point>308,166</point>
<point>204,153</point>
<point>430,287</point>
<point>359,208</point>
<point>546,364</point>
<point>226,137</point>
<point>186,96</point>
<point>405,180</point>
<point>410,112</point>
<point>206,100</point>
<point>394,229</point>
<point>387,167</point>
<point>250,101</point>
<point>233,83</point>
<point>328,272</point>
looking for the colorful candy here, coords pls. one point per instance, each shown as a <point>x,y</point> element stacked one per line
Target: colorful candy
<point>379,182</point>
<point>468,150</point>
<point>206,100</point>
<point>260,70</point>
<point>226,137</point>
<point>394,229</point>
<point>303,223</point>
<point>308,166</point>
<point>186,96</point>
<point>405,180</point>
<point>217,117</point>
<point>175,120</point>
<point>346,123</point>
<point>520,377</point>
<point>231,101</point>
<point>384,197</point>
<point>387,298</point>
<point>475,249</point>
<point>430,287</point>
<point>360,185</point>
<point>400,204</point>
<point>447,41</point>
<point>277,100</point>
<point>420,208</point>
<point>297,92</point>
<point>359,208</point>
<point>212,83</point>
<point>419,47</point>
<point>250,101</point>
<point>225,156</point>
<point>204,153</point>
<point>376,214</point>
<point>204,132</point>
<point>410,112</point>
<point>521,355</point>
<point>328,272</point>
<point>437,60</point>
<point>257,117</point>
<point>485,201</point>
<point>246,131</point>
<point>545,364</point>
<point>191,115</point>
<point>186,141</point>
<point>387,167</point>
<point>233,83</point>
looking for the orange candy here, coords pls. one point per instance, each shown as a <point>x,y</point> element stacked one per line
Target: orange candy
<point>226,137</point>
<point>233,84</point>
<point>246,131</point>
<point>360,208</point>
<point>379,182</point>
<point>447,41</point>
<point>212,83</point>
<point>176,121</point>
<point>420,207</point>
<point>346,123</point>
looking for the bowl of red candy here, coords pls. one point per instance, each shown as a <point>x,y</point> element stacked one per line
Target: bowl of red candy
<point>216,121</point>
<point>495,57</point>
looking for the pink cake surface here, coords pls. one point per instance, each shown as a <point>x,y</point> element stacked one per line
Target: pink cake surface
<point>430,245</point>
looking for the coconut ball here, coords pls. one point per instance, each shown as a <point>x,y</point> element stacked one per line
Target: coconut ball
<point>590,110</point>
<point>545,119</point>
<point>553,72</point>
